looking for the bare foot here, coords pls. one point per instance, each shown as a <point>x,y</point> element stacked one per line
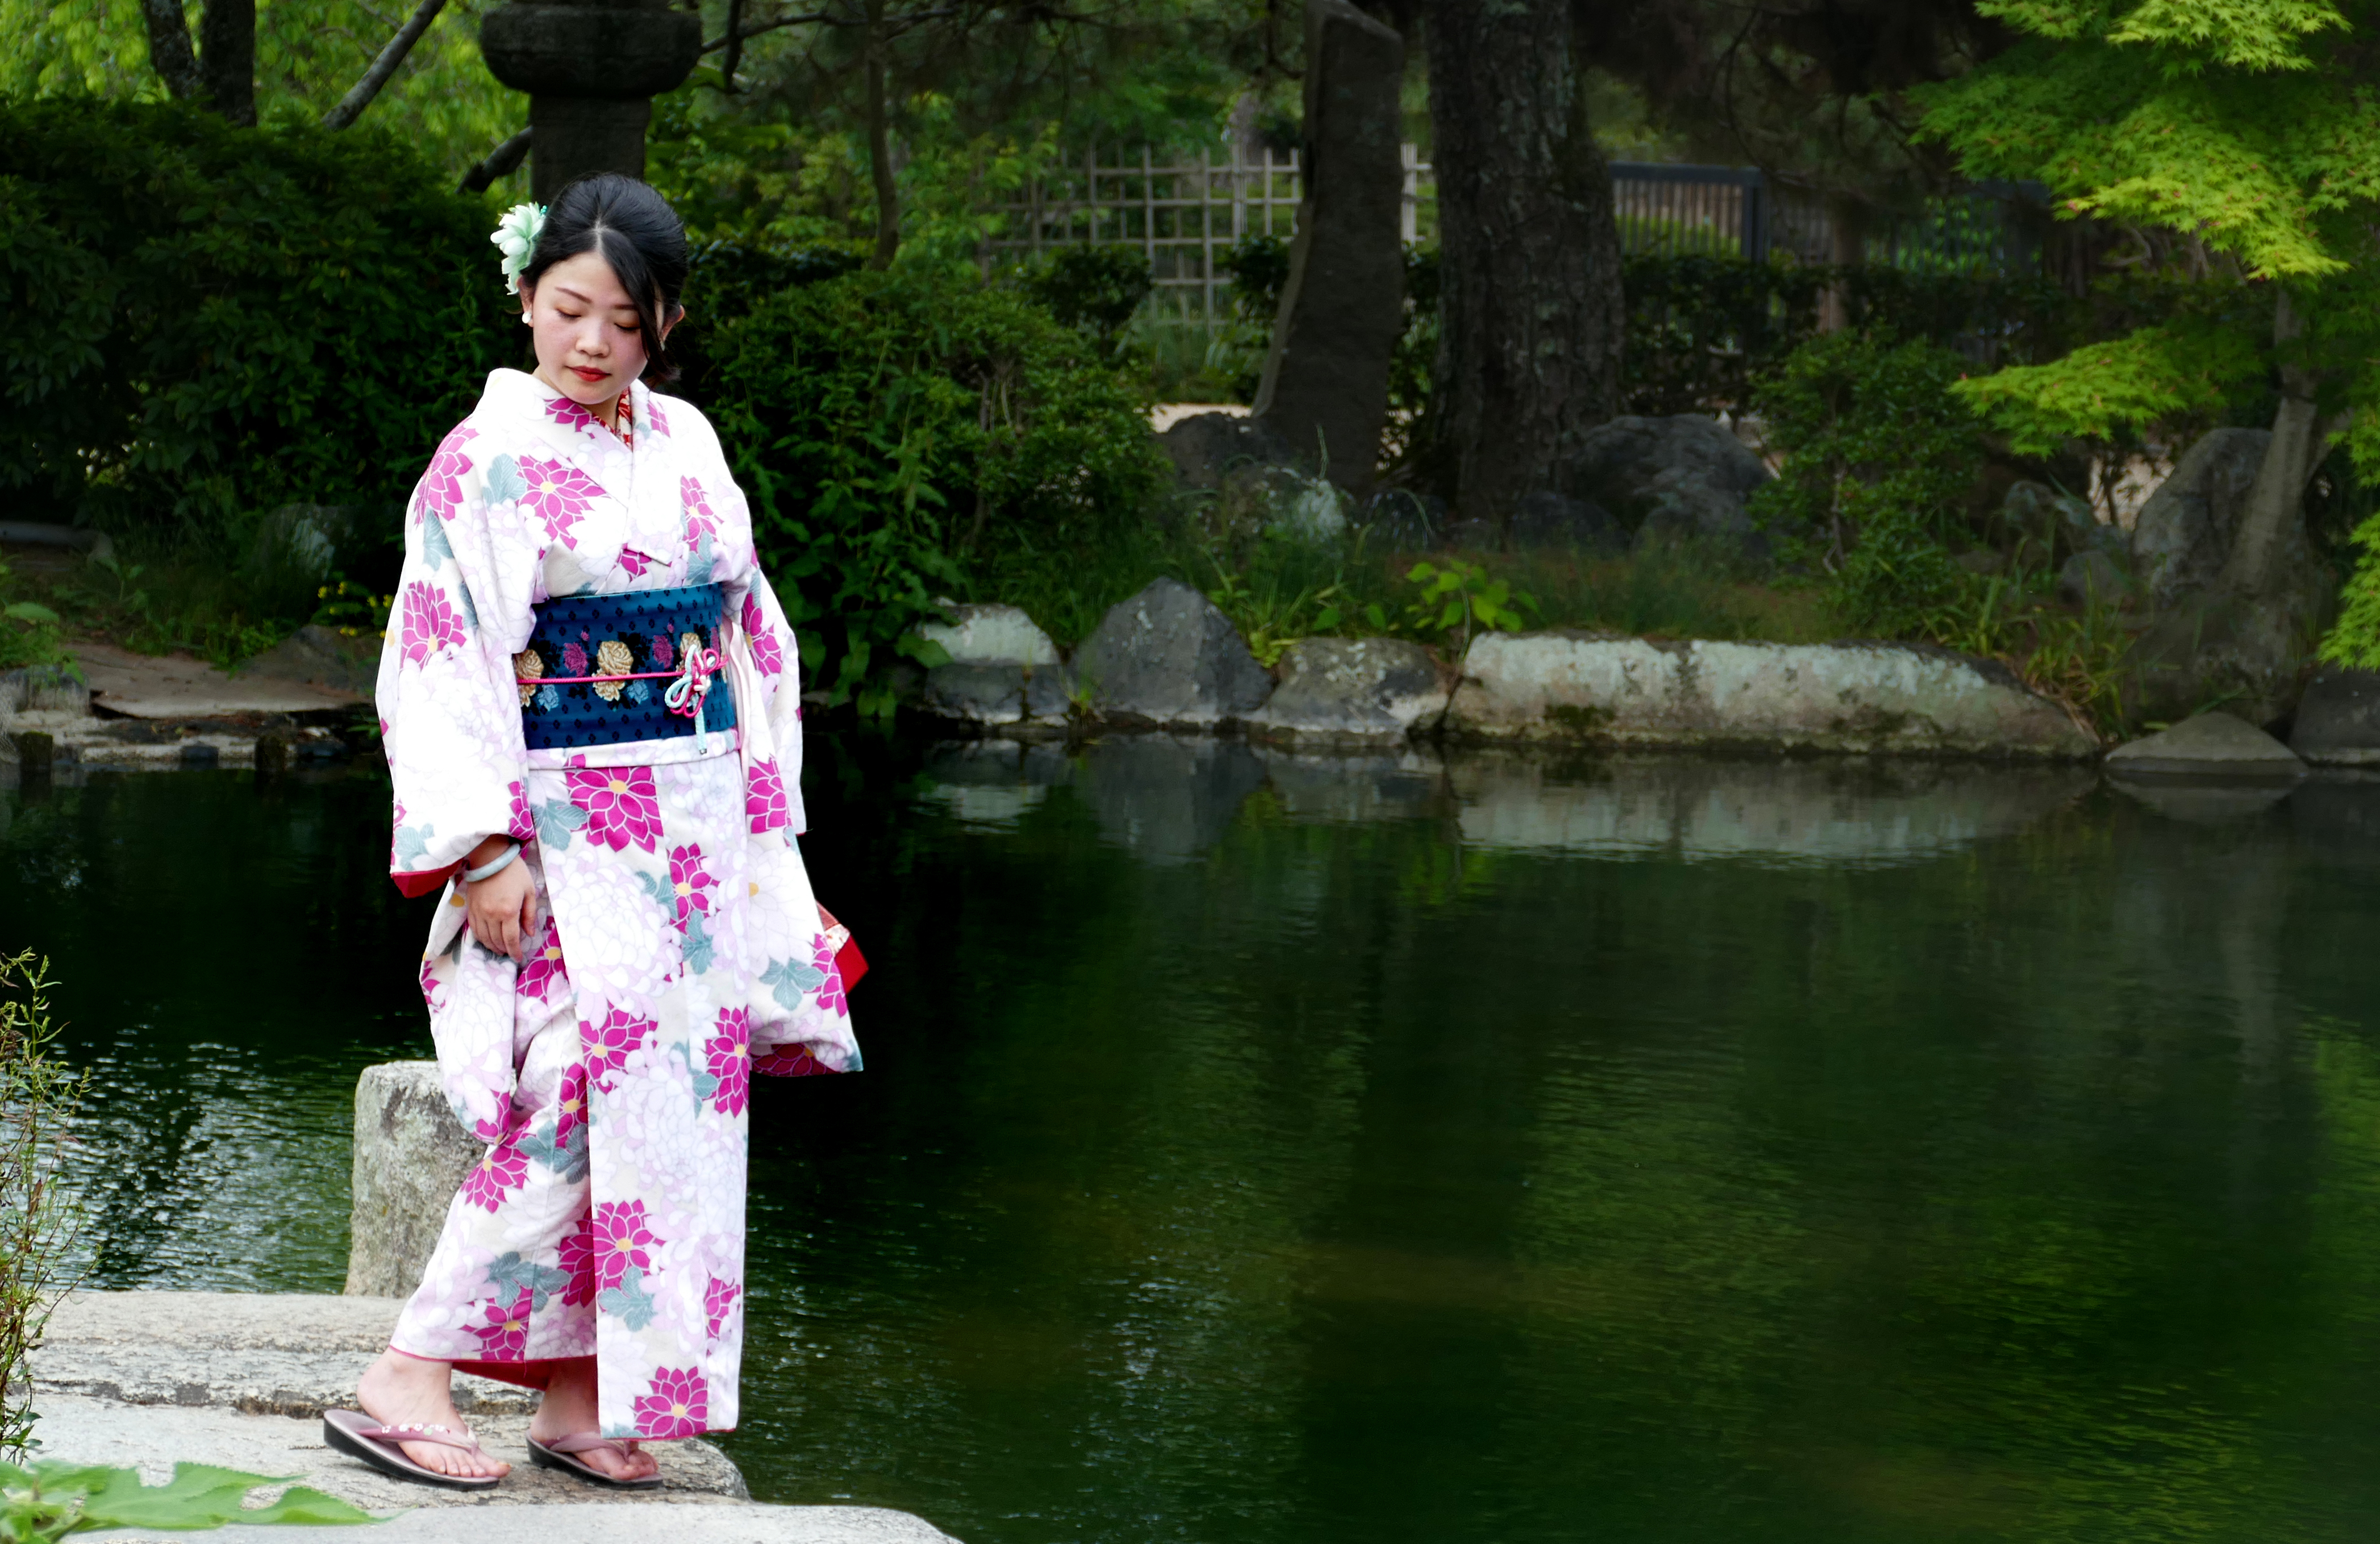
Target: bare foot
<point>569,1408</point>
<point>405,1390</point>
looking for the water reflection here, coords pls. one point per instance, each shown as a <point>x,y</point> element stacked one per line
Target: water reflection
<point>1290,1150</point>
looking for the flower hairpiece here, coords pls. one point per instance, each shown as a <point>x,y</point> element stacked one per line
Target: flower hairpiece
<point>516,236</point>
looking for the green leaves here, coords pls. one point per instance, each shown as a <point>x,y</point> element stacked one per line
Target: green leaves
<point>52,1500</point>
<point>1459,597</point>
<point>2125,384</point>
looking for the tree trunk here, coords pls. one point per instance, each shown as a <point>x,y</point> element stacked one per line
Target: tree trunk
<point>228,58</point>
<point>1530,309</point>
<point>879,146</point>
<point>169,48</point>
<point>2300,439</point>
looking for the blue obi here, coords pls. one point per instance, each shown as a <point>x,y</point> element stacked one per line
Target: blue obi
<point>638,640</point>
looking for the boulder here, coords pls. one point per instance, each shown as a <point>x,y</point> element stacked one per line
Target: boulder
<point>1602,689</point>
<point>2182,537</point>
<point>2060,521</point>
<point>1206,447</point>
<point>990,635</point>
<point>1349,692</point>
<point>1168,656</point>
<point>1565,524</point>
<point>997,694</point>
<point>1400,520</point>
<point>2338,718</point>
<point>2209,746</point>
<point>1325,378</point>
<point>411,1156</point>
<point>321,656</point>
<point>44,688</point>
<point>2092,576</point>
<point>1673,479</point>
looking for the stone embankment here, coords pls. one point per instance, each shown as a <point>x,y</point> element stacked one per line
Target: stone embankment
<point>1167,659</point>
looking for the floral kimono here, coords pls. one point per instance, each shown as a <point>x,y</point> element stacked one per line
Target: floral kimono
<point>679,950</point>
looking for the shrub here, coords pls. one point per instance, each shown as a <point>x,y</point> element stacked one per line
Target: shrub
<point>208,321</point>
<point>1093,289</point>
<point>1879,455</point>
<point>890,425</point>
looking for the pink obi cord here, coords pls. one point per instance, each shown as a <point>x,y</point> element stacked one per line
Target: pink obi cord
<point>688,684</point>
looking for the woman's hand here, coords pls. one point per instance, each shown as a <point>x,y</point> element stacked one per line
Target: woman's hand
<point>504,905</point>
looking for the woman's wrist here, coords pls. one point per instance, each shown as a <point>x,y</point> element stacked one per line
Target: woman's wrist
<point>487,852</point>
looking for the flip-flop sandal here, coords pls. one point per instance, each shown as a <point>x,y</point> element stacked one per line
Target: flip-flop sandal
<point>556,1454</point>
<point>358,1435</point>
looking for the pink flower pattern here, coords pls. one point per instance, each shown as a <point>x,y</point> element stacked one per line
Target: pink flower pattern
<point>559,493</point>
<point>574,659</point>
<point>503,1336</point>
<point>430,624</point>
<point>730,1060</point>
<point>570,415</point>
<point>570,1103</point>
<point>765,806</point>
<point>664,652</point>
<point>679,1406</point>
<point>579,1264</point>
<point>690,884</point>
<point>500,1169</point>
<point>635,562</point>
<point>653,415</point>
<point>521,826</point>
<point>429,984</point>
<point>621,803</point>
<point>718,1302</point>
<point>699,520</point>
<point>544,968</point>
<point>442,485</point>
<point>766,656</point>
<point>829,996</point>
<point>608,1045</point>
<point>621,1240</point>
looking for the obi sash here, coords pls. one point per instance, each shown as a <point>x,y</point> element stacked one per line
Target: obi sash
<point>638,664</point>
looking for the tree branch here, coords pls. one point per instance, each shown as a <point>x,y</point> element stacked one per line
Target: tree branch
<point>735,38</point>
<point>351,106</point>
<point>501,161</point>
<point>169,48</point>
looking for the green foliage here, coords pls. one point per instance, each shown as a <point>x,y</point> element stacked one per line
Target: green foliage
<point>1459,598</point>
<point>29,631</point>
<point>51,1501</point>
<point>211,322</point>
<point>1879,455</point>
<point>39,1217</point>
<point>1286,591</point>
<point>1093,289</point>
<point>886,423</point>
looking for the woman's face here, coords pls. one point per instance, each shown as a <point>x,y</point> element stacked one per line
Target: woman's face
<point>589,344</point>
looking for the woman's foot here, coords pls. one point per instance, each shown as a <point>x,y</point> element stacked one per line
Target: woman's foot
<point>569,1408</point>
<point>399,1391</point>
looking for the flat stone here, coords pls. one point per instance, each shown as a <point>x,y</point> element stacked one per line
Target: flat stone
<point>178,687</point>
<point>1167,656</point>
<point>2209,746</point>
<point>997,694</point>
<point>1858,698</point>
<point>678,1519</point>
<point>990,635</point>
<point>323,658</point>
<point>2338,718</point>
<point>410,1156</point>
<point>1349,691</point>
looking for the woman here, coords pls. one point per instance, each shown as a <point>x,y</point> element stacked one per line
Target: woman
<point>593,723</point>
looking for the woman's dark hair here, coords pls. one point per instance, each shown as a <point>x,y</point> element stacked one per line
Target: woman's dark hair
<point>635,230</point>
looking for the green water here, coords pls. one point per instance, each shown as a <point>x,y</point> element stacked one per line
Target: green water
<point>1267,1152</point>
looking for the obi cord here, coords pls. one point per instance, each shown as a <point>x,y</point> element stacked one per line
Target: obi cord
<point>615,669</point>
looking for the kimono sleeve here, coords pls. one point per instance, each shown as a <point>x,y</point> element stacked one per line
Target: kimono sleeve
<point>450,710</point>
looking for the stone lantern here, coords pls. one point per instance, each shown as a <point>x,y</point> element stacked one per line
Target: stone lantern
<point>591,70</point>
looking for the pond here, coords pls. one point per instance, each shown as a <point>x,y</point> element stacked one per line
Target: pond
<point>1256,1150</point>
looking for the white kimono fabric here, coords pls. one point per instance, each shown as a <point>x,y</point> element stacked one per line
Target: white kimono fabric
<point>680,949</point>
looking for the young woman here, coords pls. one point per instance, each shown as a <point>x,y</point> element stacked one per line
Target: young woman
<point>591,719</point>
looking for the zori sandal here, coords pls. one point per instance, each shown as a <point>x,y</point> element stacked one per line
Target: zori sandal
<point>358,1435</point>
<point>556,1454</point>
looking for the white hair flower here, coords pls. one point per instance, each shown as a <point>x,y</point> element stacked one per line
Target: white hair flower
<point>516,236</point>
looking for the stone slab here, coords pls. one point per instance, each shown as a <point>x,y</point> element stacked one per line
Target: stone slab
<point>1855,697</point>
<point>2209,746</point>
<point>2338,718</point>
<point>1349,692</point>
<point>178,687</point>
<point>990,635</point>
<point>600,1522</point>
<point>409,1157</point>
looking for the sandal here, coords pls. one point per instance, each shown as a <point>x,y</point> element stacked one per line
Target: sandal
<point>358,1435</point>
<point>556,1454</point>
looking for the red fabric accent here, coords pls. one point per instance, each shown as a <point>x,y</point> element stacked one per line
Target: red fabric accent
<point>849,961</point>
<point>426,882</point>
<point>521,1375</point>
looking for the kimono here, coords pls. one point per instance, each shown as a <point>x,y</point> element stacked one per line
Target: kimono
<point>679,950</point>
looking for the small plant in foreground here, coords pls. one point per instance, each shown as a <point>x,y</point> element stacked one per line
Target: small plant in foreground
<point>50,1500</point>
<point>1460,595</point>
<point>38,1217</point>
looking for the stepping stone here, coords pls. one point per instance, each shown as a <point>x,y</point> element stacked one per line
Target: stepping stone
<point>2210,745</point>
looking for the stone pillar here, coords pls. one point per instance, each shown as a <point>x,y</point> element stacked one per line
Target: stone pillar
<point>592,71</point>
<point>411,1155</point>
<point>1327,378</point>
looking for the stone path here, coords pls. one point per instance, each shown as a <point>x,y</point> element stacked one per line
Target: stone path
<point>178,687</point>
<point>144,1379</point>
